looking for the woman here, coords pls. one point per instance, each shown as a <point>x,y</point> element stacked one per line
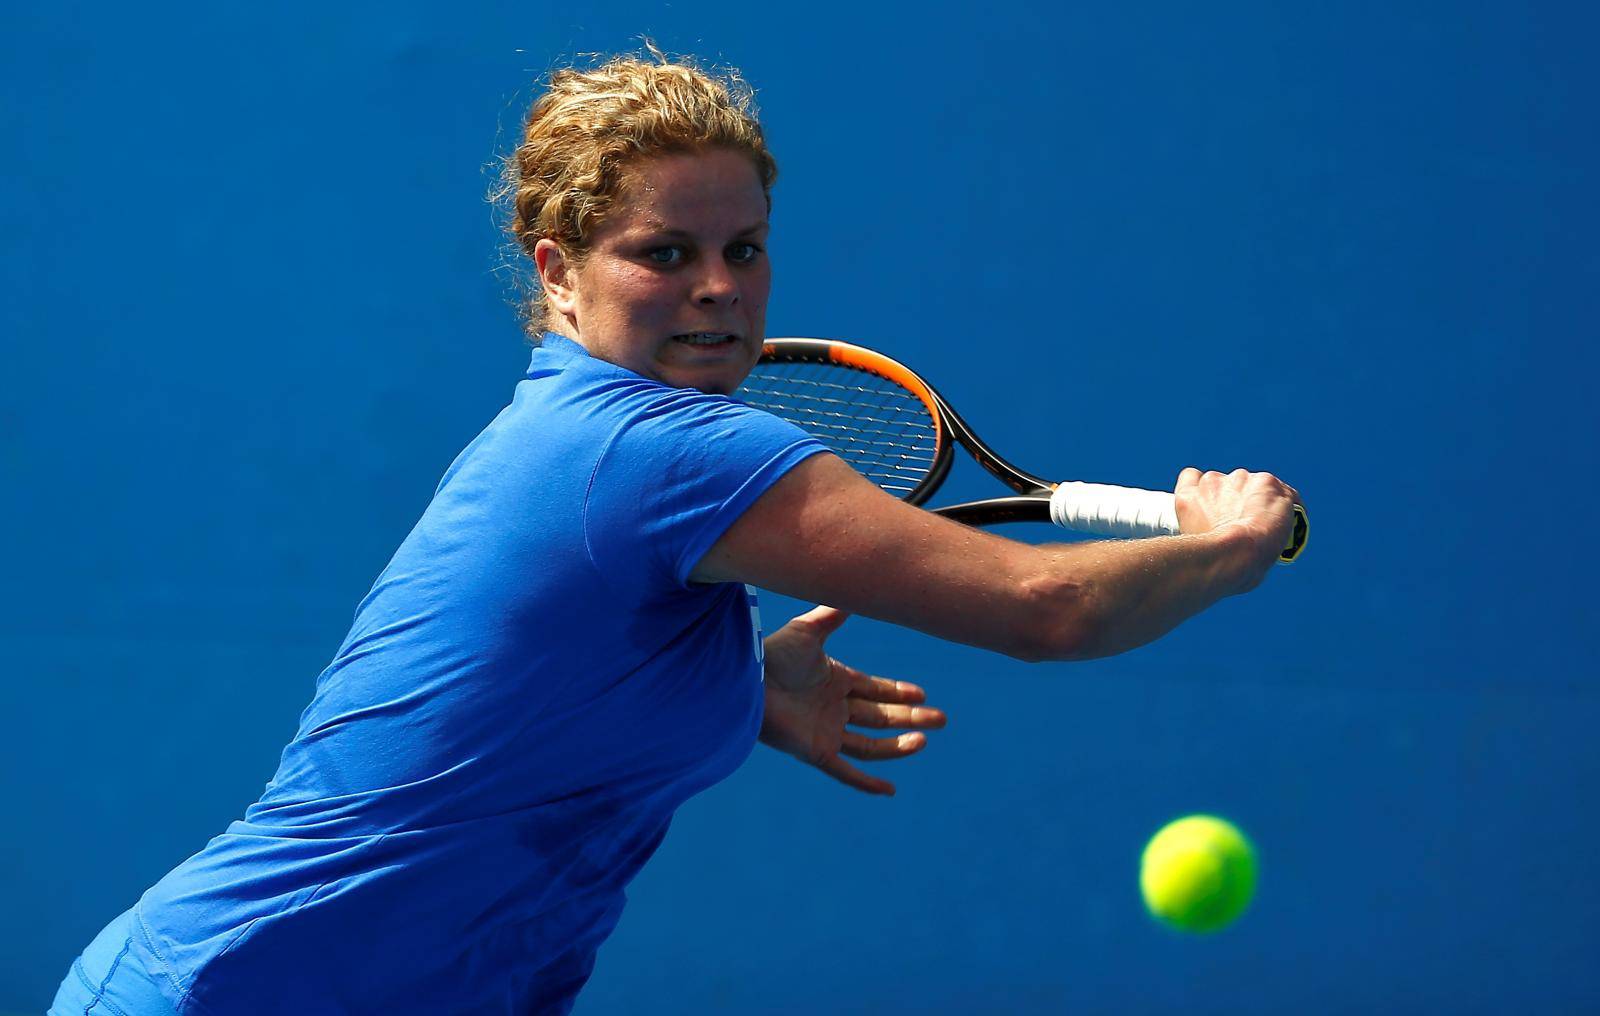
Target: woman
<point>564,648</point>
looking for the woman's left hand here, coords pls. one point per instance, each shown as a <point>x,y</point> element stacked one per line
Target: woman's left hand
<point>811,697</point>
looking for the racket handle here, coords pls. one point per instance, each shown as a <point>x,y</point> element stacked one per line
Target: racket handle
<point>1107,510</point>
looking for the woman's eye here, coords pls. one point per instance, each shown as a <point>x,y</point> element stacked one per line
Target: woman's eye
<point>744,252</point>
<point>666,255</point>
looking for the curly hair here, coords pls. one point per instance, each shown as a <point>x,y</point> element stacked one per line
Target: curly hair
<point>589,126</point>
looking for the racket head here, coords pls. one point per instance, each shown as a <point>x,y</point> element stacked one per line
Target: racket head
<point>870,410</point>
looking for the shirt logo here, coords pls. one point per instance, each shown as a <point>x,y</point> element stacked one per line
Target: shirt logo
<point>755,625</point>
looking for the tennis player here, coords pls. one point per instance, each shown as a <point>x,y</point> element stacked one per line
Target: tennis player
<point>565,648</point>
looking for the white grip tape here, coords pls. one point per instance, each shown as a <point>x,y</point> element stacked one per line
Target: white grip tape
<point>1106,510</point>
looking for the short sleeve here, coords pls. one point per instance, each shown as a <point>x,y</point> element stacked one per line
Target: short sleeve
<point>677,471</point>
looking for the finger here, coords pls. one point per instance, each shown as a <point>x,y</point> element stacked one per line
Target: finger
<point>879,689</point>
<point>881,749</point>
<point>822,620</point>
<point>1188,477</point>
<point>864,713</point>
<point>850,776</point>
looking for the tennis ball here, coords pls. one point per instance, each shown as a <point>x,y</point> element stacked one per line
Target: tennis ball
<point>1198,873</point>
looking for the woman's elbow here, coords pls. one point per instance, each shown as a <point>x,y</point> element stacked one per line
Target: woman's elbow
<point>1058,621</point>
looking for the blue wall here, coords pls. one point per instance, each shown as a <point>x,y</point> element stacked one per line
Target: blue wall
<point>254,305</point>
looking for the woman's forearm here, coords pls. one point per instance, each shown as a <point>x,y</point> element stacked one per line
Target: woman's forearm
<point>1106,597</point>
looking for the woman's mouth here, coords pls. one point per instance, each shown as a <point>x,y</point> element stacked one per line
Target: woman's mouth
<point>705,338</point>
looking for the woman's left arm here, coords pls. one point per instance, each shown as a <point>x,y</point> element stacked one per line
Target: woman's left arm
<point>811,698</point>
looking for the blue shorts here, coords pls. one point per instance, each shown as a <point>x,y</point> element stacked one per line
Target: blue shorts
<point>109,980</point>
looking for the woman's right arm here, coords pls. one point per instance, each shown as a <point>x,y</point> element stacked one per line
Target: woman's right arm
<point>825,534</point>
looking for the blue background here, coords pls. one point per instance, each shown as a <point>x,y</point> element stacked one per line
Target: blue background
<point>255,303</point>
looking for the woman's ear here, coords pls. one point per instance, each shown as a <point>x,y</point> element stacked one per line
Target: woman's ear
<point>555,276</point>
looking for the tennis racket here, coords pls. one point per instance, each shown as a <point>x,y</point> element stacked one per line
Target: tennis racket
<point>890,424</point>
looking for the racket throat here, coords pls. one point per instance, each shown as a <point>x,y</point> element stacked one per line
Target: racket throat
<point>996,511</point>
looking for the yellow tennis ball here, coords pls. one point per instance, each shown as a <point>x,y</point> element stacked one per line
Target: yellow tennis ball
<point>1198,873</point>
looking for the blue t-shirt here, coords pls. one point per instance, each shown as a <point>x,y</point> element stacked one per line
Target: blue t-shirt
<point>530,690</point>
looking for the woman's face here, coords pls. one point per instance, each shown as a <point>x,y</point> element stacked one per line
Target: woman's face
<point>675,283</point>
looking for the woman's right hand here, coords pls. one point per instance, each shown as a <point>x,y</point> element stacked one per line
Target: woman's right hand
<point>1258,505</point>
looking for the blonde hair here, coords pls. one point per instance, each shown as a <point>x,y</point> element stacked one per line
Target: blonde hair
<point>589,126</point>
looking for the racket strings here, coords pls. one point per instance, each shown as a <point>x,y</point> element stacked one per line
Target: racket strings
<point>875,425</point>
